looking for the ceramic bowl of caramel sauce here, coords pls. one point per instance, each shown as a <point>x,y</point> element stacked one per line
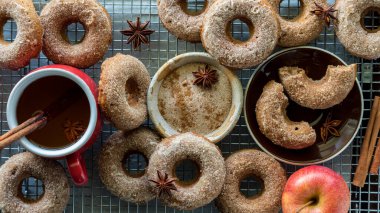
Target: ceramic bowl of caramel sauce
<point>350,112</point>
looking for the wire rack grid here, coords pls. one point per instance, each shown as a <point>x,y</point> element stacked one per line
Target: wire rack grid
<point>95,198</point>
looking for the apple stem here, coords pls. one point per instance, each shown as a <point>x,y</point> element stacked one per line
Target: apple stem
<point>302,207</point>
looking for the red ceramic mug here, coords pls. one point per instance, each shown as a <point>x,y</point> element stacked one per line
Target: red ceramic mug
<point>72,153</point>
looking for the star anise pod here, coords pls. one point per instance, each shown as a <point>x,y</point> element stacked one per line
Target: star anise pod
<point>73,130</point>
<point>329,127</point>
<point>137,32</point>
<point>205,77</point>
<point>327,14</point>
<point>164,184</point>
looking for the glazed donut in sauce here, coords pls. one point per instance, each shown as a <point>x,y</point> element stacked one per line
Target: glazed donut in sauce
<point>327,92</point>
<point>275,124</point>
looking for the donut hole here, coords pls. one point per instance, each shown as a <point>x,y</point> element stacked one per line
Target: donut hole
<point>74,33</point>
<point>240,30</point>
<point>8,30</point>
<point>193,7</point>
<point>187,172</point>
<point>290,9</point>
<point>31,189</point>
<point>251,186</point>
<point>370,19</point>
<point>132,92</point>
<point>134,163</point>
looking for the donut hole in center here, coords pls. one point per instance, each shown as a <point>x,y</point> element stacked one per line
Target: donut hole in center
<point>74,33</point>
<point>290,9</point>
<point>134,163</point>
<point>370,19</point>
<point>240,30</point>
<point>31,189</point>
<point>187,172</point>
<point>132,92</point>
<point>8,30</point>
<point>251,186</point>
<point>193,7</point>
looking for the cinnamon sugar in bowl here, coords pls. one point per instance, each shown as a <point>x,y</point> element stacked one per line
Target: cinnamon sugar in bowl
<point>192,92</point>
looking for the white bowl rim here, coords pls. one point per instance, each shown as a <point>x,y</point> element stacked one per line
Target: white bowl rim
<point>237,100</point>
<point>294,162</point>
<point>15,96</point>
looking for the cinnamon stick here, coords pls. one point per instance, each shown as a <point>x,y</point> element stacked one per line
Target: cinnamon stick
<point>21,126</point>
<point>22,132</point>
<point>368,144</point>
<point>376,160</point>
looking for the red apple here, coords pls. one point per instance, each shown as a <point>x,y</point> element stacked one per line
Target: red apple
<point>316,189</point>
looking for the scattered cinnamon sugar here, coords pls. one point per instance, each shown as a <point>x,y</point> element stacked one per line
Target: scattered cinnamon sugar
<point>187,107</point>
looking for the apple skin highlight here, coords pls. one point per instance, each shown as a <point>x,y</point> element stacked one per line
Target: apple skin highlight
<point>324,190</point>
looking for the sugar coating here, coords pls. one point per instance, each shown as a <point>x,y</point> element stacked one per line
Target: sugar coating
<point>111,169</point>
<point>327,92</point>
<point>350,31</point>
<point>51,173</point>
<point>208,157</point>
<point>192,108</point>
<point>126,109</point>
<point>274,123</point>
<point>230,52</point>
<point>58,14</point>
<point>28,42</point>
<point>302,29</point>
<point>180,23</point>
<point>246,163</point>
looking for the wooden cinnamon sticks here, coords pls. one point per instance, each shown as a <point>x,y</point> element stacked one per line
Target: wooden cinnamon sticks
<point>368,146</point>
<point>22,130</point>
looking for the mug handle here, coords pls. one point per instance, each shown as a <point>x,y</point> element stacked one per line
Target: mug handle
<point>77,169</point>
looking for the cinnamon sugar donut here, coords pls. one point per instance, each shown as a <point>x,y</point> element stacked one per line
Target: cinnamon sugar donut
<point>55,18</point>
<point>129,187</point>
<point>123,85</point>
<point>302,29</point>
<point>207,156</point>
<point>28,42</point>
<point>275,124</point>
<point>24,165</point>
<point>179,21</point>
<point>327,92</point>
<point>217,40</point>
<point>351,31</point>
<point>248,163</point>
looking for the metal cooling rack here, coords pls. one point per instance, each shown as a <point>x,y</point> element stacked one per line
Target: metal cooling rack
<point>95,198</point>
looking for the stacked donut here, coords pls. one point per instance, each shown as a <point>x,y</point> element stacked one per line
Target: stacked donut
<point>47,32</point>
<point>267,28</point>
